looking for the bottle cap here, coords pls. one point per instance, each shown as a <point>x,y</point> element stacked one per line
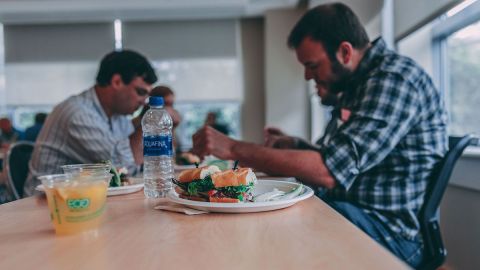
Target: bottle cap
<point>155,101</point>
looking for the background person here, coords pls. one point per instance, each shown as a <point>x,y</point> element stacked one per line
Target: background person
<point>212,120</point>
<point>8,134</point>
<point>93,126</point>
<point>375,166</point>
<point>32,132</point>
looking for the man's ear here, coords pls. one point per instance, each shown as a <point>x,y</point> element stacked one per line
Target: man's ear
<point>345,52</point>
<point>116,82</point>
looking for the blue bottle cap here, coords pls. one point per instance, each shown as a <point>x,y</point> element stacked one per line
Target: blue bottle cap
<point>155,101</point>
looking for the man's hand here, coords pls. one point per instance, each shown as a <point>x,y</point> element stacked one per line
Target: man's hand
<point>208,141</point>
<point>276,138</point>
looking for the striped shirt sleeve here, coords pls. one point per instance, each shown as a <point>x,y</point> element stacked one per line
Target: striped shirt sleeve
<point>90,141</point>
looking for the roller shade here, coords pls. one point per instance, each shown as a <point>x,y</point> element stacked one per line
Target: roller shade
<point>181,39</point>
<point>46,63</point>
<point>57,42</point>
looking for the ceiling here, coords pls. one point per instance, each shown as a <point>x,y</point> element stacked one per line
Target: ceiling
<point>49,11</point>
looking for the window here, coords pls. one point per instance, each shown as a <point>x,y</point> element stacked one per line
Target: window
<point>456,40</point>
<point>197,84</point>
<point>46,63</point>
<point>463,62</point>
<point>197,59</point>
<point>194,115</point>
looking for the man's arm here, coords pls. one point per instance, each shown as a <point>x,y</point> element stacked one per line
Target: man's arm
<point>136,140</point>
<point>275,138</point>
<point>306,165</point>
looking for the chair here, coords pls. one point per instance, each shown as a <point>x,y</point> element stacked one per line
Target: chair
<point>434,251</point>
<point>16,165</point>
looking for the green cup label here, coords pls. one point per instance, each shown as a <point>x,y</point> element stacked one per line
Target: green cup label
<point>78,204</point>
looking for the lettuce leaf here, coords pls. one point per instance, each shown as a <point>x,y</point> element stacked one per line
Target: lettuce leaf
<point>195,187</point>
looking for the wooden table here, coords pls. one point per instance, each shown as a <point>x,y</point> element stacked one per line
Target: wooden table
<point>308,235</point>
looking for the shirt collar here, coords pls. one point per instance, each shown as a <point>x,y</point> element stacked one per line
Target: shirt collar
<point>370,58</point>
<point>369,61</point>
<point>97,105</point>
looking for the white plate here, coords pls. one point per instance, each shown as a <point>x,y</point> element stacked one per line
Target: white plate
<point>262,186</point>
<point>112,191</point>
<point>179,168</point>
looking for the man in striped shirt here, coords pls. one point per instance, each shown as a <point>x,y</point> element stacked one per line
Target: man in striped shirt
<point>376,164</point>
<point>93,126</point>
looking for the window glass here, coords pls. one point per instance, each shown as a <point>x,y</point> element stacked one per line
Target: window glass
<point>201,86</point>
<point>23,117</point>
<point>194,115</point>
<point>463,61</point>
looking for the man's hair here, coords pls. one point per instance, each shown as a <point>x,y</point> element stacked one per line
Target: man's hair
<point>128,64</point>
<point>161,91</point>
<point>40,118</point>
<point>330,24</point>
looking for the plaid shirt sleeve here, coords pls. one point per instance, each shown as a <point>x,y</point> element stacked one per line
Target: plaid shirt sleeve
<point>384,116</point>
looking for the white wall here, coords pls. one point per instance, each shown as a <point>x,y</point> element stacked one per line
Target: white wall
<point>365,9</point>
<point>418,46</point>
<point>412,14</point>
<point>460,215</point>
<point>286,90</point>
<point>253,58</point>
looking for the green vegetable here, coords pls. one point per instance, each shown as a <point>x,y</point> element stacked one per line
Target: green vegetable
<point>196,187</point>
<point>237,191</point>
<point>221,164</point>
<point>201,185</point>
<point>293,193</point>
<point>115,181</point>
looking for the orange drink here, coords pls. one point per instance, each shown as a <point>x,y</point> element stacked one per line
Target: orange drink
<point>76,203</point>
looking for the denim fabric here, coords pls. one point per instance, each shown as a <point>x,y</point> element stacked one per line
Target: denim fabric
<point>405,249</point>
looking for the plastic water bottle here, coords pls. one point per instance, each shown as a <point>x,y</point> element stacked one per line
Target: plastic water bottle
<point>157,150</point>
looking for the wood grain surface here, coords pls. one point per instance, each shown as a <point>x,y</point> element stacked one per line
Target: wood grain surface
<point>308,235</point>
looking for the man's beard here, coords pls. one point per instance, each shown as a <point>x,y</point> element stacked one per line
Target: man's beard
<point>329,99</point>
<point>339,84</point>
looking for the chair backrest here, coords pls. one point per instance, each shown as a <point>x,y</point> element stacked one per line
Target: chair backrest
<point>17,160</point>
<point>434,251</point>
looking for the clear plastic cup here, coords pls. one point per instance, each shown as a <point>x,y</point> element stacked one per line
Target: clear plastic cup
<point>84,169</point>
<point>76,203</point>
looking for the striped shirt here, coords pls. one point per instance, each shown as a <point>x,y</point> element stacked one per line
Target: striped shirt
<point>383,155</point>
<point>78,131</point>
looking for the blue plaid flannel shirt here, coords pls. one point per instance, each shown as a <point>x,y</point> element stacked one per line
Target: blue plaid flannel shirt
<point>383,155</point>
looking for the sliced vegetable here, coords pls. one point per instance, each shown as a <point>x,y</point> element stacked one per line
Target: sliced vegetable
<point>276,195</point>
<point>294,193</point>
<point>268,196</point>
<point>115,181</point>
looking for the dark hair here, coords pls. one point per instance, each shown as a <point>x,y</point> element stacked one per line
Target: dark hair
<point>40,118</point>
<point>330,24</point>
<point>128,64</point>
<point>161,91</point>
<point>158,91</point>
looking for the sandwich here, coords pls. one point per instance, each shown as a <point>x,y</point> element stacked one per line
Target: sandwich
<point>211,184</point>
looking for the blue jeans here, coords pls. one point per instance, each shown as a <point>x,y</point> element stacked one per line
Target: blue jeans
<point>405,249</point>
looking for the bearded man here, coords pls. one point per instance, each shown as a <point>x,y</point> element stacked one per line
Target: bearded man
<point>375,166</point>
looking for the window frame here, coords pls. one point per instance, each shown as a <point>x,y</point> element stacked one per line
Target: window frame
<point>441,31</point>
